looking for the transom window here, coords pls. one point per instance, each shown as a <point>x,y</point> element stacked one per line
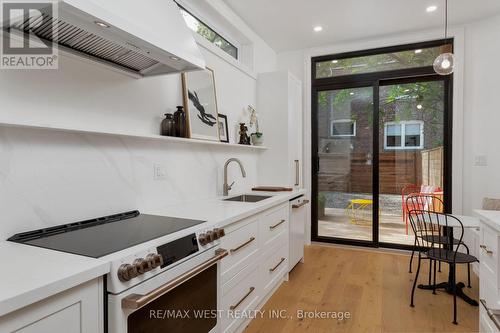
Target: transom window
<point>415,58</point>
<point>208,33</point>
<point>404,135</point>
<point>343,128</point>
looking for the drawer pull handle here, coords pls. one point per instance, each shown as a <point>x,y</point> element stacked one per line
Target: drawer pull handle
<point>490,314</point>
<point>485,248</point>
<point>303,203</point>
<point>278,265</point>
<point>242,245</point>
<point>232,307</point>
<point>277,224</point>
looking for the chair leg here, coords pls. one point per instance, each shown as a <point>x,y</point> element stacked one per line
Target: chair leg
<point>452,266</point>
<point>430,270</point>
<point>468,267</point>
<point>439,268</point>
<point>434,281</point>
<point>412,253</point>
<point>468,276</point>
<point>415,281</point>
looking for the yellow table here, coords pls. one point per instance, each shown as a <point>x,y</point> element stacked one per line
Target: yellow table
<point>355,209</point>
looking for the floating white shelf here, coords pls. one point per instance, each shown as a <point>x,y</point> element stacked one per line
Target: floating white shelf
<point>131,135</point>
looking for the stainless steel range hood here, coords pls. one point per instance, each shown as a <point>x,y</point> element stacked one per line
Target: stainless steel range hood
<point>143,38</point>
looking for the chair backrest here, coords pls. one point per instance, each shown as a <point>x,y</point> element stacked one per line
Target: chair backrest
<point>429,227</point>
<point>430,202</point>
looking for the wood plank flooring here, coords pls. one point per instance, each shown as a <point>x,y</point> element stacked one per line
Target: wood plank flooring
<point>373,286</point>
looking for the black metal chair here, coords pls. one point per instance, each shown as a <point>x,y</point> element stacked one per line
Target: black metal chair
<point>429,226</point>
<point>427,202</point>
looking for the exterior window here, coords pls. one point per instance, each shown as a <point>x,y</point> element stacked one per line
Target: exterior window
<point>343,127</point>
<point>404,135</point>
<point>208,33</point>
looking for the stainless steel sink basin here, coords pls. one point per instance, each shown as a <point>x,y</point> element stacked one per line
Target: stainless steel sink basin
<point>247,198</point>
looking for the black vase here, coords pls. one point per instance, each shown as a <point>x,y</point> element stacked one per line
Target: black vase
<point>180,122</point>
<point>168,125</point>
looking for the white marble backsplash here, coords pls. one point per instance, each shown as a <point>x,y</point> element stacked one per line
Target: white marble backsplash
<point>49,178</point>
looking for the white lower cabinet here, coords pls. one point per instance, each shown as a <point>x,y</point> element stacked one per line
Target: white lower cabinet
<point>77,310</point>
<point>257,264</point>
<point>489,289</point>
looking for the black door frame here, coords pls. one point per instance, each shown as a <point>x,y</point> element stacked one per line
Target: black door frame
<point>376,80</point>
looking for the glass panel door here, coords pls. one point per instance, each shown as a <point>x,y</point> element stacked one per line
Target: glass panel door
<point>345,163</point>
<point>411,151</point>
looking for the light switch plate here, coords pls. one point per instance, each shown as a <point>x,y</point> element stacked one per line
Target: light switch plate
<point>159,171</point>
<point>480,160</point>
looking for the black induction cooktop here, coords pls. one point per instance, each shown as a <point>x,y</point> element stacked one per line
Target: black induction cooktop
<point>101,236</point>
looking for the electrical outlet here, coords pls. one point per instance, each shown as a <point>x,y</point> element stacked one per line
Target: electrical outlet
<point>159,171</point>
<point>480,160</point>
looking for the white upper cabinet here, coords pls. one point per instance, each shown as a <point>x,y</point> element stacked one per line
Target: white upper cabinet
<point>279,104</point>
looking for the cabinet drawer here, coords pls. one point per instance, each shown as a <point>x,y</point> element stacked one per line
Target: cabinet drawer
<point>486,325</point>
<point>242,293</point>
<point>488,290</point>
<point>274,266</point>
<point>273,223</point>
<point>488,252</point>
<point>243,246</point>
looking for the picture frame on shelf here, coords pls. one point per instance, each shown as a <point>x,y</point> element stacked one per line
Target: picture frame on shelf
<point>200,104</point>
<point>223,128</point>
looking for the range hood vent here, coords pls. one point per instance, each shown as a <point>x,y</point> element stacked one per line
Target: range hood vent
<point>78,32</point>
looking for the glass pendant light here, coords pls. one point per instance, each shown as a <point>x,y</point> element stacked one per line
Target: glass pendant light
<point>445,62</point>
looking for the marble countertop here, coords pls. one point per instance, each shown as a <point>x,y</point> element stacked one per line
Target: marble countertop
<point>36,273</point>
<point>489,217</point>
<point>222,213</point>
<point>32,274</point>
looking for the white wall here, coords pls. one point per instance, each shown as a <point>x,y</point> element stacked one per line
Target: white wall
<point>48,178</point>
<point>482,112</point>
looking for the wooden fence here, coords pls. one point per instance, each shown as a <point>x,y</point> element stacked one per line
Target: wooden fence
<point>353,172</point>
<point>432,166</point>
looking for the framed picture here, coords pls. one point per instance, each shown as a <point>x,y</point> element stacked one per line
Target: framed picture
<point>223,129</point>
<point>200,103</point>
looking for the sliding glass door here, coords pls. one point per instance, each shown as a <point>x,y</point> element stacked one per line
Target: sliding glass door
<point>411,150</point>
<point>345,170</point>
<point>376,138</point>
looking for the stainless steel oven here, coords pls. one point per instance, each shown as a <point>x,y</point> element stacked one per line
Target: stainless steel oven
<point>183,299</point>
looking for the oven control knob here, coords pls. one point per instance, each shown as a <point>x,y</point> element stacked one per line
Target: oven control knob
<point>220,232</point>
<point>203,239</point>
<point>142,265</point>
<point>126,272</point>
<point>155,260</point>
<point>210,235</point>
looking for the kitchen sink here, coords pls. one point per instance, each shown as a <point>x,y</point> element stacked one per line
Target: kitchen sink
<point>247,198</point>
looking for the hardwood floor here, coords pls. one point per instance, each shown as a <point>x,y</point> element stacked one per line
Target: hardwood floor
<point>373,286</point>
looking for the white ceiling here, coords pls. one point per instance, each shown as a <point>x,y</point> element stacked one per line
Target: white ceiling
<point>288,24</point>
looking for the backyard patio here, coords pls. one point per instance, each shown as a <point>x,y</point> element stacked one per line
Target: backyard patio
<point>338,221</point>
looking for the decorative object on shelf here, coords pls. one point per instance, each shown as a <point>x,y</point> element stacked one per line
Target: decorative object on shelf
<point>223,128</point>
<point>200,103</point>
<point>445,62</point>
<point>244,138</point>
<point>257,137</point>
<point>168,125</point>
<point>180,122</point>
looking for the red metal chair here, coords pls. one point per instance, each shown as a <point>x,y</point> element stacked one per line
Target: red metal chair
<point>413,189</point>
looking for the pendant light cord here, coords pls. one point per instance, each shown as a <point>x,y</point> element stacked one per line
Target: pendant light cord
<point>446,21</point>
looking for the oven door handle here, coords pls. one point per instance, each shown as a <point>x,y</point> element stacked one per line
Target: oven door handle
<point>136,301</point>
